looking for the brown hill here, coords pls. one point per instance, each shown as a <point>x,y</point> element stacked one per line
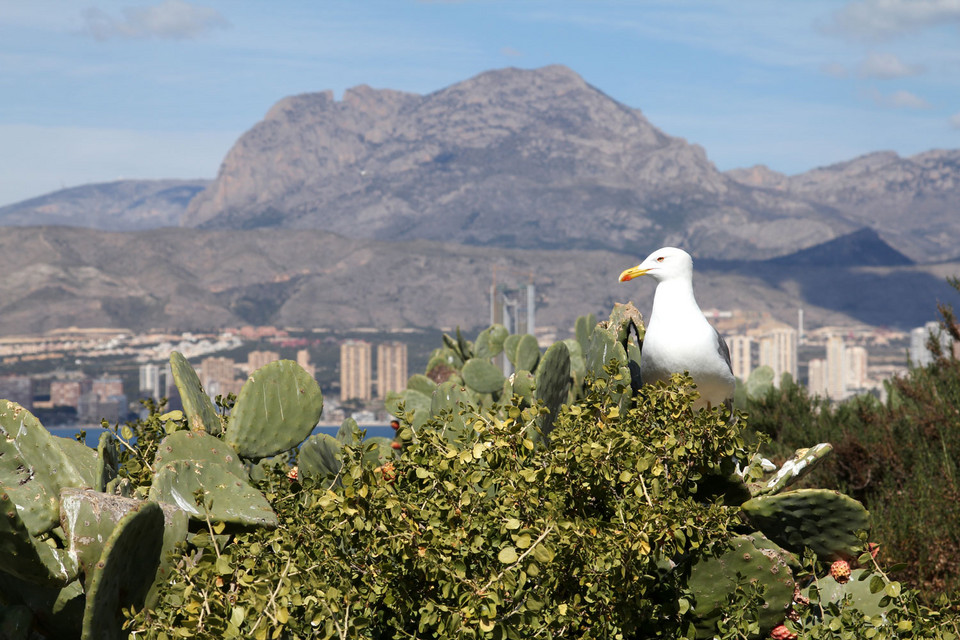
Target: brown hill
<point>509,158</point>
<point>57,277</point>
<point>124,205</point>
<point>914,202</point>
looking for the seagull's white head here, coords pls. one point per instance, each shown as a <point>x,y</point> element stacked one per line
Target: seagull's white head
<point>668,263</point>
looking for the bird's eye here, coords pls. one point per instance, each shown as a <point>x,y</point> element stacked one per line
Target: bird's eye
<point>660,259</point>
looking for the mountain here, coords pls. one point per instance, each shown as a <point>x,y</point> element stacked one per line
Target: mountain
<point>862,248</point>
<point>186,279</point>
<point>124,205</point>
<point>913,202</point>
<point>512,158</point>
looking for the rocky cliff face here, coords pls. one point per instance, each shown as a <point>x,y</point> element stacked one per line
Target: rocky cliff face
<point>511,158</point>
<point>913,202</point>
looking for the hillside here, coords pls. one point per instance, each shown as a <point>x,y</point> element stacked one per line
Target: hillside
<point>124,205</point>
<point>511,158</point>
<point>201,279</point>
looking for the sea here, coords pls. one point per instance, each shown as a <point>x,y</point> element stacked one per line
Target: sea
<point>92,437</point>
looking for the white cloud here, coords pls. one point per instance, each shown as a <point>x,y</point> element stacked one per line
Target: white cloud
<point>171,19</point>
<point>885,66</point>
<point>874,20</point>
<point>899,100</point>
<point>955,121</point>
<point>511,52</point>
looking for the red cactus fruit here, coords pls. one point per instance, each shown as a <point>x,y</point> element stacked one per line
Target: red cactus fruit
<point>840,570</point>
<point>780,632</point>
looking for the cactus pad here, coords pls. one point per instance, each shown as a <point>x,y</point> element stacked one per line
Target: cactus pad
<point>278,407</point>
<point>227,497</point>
<point>84,459</point>
<point>415,404</point>
<point>825,521</point>
<point>33,468</point>
<point>349,432</point>
<point>320,455</point>
<point>124,573</point>
<point>421,383</point>
<point>527,353</point>
<point>108,460</point>
<point>857,587</point>
<point>24,556</point>
<point>712,580</point>
<point>201,447</point>
<point>482,376</point>
<point>553,383</point>
<point>802,462</point>
<point>199,409</point>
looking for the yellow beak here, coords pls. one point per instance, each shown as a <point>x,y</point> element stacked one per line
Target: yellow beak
<point>631,273</point>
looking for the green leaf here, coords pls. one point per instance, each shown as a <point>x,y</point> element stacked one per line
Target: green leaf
<point>507,555</point>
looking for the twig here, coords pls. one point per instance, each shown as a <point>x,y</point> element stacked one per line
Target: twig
<point>543,535</point>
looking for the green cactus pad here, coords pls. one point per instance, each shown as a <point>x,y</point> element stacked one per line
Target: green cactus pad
<point>278,407</point>
<point>496,334</point>
<point>521,383</point>
<point>825,521</point>
<point>421,383</point>
<point>527,354</point>
<point>713,579</point>
<point>175,528</point>
<point>84,459</point>
<point>58,611</point>
<point>201,447</point>
<point>377,451</point>
<point>228,498</point>
<point>510,348</point>
<point>603,348</point>
<point>482,376</point>
<point>320,455</point>
<point>578,368</point>
<point>89,517</point>
<point>624,320</point>
<point>553,383</point>
<point>124,573</point>
<point>26,557</point>
<point>857,587</point>
<point>802,463</point>
<point>197,406</point>
<point>33,468</point>
<point>349,432</point>
<point>415,404</point>
<point>108,460</point>
<point>465,346</point>
<point>583,329</point>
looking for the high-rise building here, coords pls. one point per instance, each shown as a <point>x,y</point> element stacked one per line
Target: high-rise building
<point>778,350</point>
<point>741,355</point>
<point>355,378</point>
<point>149,382</point>
<point>303,359</point>
<point>856,374</point>
<point>817,377</point>
<point>219,376</point>
<point>836,368</point>
<point>919,355</point>
<point>67,393</point>
<point>107,388</point>
<point>257,359</point>
<point>391,368</point>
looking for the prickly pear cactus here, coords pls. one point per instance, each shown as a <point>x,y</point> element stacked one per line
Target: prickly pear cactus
<point>826,591</point>
<point>33,468</point>
<point>26,557</point>
<point>349,432</point>
<point>278,407</point>
<point>200,447</point>
<point>320,455</point>
<point>800,464</point>
<point>553,384</point>
<point>108,461</point>
<point>199,409</point>
<point>84,459</point>
<point>226,497</point>
<point>712,580</point>
<point>415,404</point>
<point>482,376</point>
<point>124,573</point>
<point>825,521</point>
<point>527,353</point>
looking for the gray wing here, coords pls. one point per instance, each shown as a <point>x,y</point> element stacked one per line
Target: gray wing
<point>723,350</point>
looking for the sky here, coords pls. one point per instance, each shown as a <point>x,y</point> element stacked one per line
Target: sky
<point>100,90</point>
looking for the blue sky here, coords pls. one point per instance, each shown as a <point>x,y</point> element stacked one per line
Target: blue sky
<point>97,90</point>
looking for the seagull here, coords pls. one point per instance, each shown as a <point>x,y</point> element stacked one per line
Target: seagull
<point>679,338</point>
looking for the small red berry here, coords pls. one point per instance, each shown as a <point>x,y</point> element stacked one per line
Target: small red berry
<point>396,445</point>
